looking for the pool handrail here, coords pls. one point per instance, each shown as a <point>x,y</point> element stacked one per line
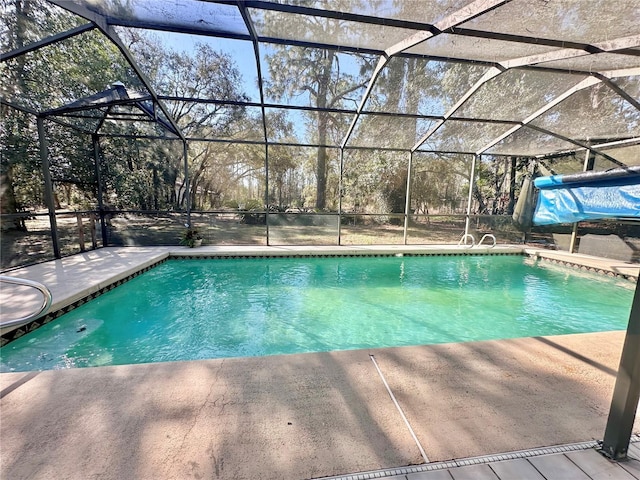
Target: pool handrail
<point>488,235</point>
<point>464,239</point>
<point>44,307</point>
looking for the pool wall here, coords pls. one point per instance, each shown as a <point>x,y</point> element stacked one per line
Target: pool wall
<point>94,280</point>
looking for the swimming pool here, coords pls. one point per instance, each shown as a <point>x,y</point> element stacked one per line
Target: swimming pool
<point>196,309</point>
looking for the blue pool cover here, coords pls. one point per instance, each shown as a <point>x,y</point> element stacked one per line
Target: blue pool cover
<point>588,196</point>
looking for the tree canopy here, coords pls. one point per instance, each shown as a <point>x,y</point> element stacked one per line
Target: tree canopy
<point>346,76</point>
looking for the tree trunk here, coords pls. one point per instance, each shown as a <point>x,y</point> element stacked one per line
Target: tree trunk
<point>482,206</point>
<point>321,166</point>
<point>512,186</point>
<point>195,180</point>
<point>156,187</point>
<point>173,184</point>
<point>8,203</point>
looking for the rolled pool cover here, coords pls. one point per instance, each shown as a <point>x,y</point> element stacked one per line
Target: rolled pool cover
<point>588,196</point>
<point>523,211</point>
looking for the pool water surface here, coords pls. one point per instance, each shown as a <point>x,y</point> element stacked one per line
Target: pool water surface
<point>198,309</point>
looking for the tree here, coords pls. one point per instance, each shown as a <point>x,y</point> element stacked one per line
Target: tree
<point>319,77</point>
<point>48,77</point>
<point>440,183</point>
<point>203,73</point>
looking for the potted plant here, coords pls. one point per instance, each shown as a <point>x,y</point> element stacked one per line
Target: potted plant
<point>191,238</point>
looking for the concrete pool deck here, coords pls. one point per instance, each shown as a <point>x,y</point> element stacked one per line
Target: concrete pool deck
<point>308,415</point>
<point>296,416</point>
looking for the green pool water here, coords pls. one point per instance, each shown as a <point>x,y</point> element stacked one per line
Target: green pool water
<point>197,309</point>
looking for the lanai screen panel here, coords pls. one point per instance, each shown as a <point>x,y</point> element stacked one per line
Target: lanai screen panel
<point>591,115</point>
<point>192,16</point>
<point>232,174</point>
<point>527,142</point>
<point>463,136</point>
<point>374,181</point>
<point>306,127</point>
<point>605,162</point>
<point>314,77</point>
<point>36,20</point>
<point>422,86</point>
<point>440,183</point>
<point>295,169</point>
<point>569,163</point>
<point>221,121</point>
<point>630,85</point>
<point>516,94</point>
<point>388,131</point>
<point>86,122</point>
<point>326,31</point>
<point>191,66</point>
<point>128,126</point>
<point>571,20</point>
<point>628,155</point>
<point>65,71</point>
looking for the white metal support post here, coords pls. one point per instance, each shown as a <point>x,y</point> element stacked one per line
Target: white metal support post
<point>472,180</point>
<point>407,204</point>
<point>574,231</point>
<point>187,187</point>
<point>340,193</point>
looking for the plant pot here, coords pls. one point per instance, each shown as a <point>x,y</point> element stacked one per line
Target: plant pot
<point>197,243</point>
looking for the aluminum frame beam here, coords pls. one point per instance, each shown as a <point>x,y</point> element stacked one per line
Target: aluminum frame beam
<point>610,46</point>
<point>619,143</point>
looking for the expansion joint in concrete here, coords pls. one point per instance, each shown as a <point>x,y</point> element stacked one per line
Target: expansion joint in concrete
<point>400,411</point>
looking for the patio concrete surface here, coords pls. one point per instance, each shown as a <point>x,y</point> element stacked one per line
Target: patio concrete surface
<point>307,415</point>
<point>75,277</point>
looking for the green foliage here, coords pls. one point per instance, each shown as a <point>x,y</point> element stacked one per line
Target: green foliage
<point>318,78</point>
<point>250,212</point>
<point>137,174</point>
<point>20,172</point>
<point>190,237</point>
